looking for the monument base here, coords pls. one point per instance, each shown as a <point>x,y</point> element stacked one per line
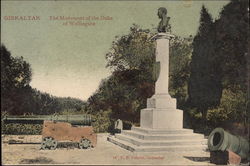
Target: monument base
<point>161,118</point>
<point>140,139</point>
<point>161,113</point>
<point>161,101</point>
<point>161,130</point>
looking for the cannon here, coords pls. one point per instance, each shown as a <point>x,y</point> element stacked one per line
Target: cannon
<point>220,140</point>
<point>61,128</point>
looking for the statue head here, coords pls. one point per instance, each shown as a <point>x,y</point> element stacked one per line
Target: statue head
<point>163,24</point>
<point>162,11</point>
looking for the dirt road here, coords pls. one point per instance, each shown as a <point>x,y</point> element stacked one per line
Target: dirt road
<point>104,153</point>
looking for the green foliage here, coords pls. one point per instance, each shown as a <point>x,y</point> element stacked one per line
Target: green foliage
<point>71,112</point>
<point>22,129</point>
<point>44,104</point>
<point>102,123</point>
<point>15,79</point>
<point>219,62</point>
<point>232,35</point>
<point>232,108</point>
<point>180,58</point>
<point>204,86</point>
<point>15,72</point>
<point>132,52</point>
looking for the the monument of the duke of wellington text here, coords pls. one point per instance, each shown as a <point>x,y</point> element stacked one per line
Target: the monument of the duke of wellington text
<point>161,124</point>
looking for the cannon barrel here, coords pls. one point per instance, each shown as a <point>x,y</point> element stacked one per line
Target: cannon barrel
<point>220,140</point>
<point>38,119</point>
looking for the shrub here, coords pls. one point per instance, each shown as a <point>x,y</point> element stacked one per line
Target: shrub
<point>103,122</point>
<point>232,108</point>
<point>22,129</point>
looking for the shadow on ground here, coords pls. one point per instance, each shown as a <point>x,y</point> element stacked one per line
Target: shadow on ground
<point>198,159</point>
<point>38,160</point>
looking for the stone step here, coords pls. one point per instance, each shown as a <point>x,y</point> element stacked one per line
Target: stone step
<point>182,148</point>
<point>123,144</point>
<point>177,148</point>
<point>145,136</point>
<point>139,142</point>
<point>162,131</point>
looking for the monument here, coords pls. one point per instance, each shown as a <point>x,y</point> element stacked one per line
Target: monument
<point>161,123</point>
<point>161,105</point>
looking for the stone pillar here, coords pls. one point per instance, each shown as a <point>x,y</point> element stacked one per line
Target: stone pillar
<point>162,56</point>
<point>161,112</point>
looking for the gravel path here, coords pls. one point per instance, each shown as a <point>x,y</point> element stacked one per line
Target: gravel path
<point>104,153</point>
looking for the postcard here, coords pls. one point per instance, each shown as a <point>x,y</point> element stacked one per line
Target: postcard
<point>124,82</point>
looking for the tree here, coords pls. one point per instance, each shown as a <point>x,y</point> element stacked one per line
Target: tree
<point>18,97</point>
<point>230,109</point>
<point>15,72</point>
<point>232,34</point>
<point>131,58</point>
<point>231,47</point>
<point>204,88</point>
<point>180,58</point>
<point>15,78</point>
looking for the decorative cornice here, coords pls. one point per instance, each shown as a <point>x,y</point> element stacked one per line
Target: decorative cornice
<point>162,36</point>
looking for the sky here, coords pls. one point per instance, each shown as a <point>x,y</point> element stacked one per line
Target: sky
<point>69,60</point>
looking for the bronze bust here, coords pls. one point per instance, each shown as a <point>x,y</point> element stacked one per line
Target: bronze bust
<point>163,24</point>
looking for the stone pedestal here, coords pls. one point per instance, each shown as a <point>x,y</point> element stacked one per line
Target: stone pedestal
<point>161,124</point>
<point>161,119</point>
<point>161,112</point>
